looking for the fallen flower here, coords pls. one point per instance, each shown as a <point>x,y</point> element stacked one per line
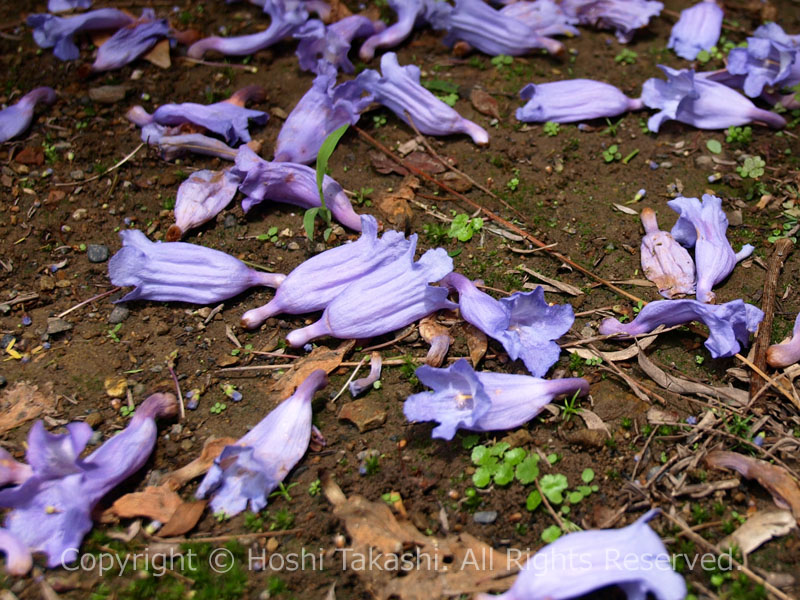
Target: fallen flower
<point>131,41</point>
<point>313,284</point>
<point>409,14</point>
<point>200,198</point>
<point>16,119</point>
<point>578,563</point>
<point>399,90</point>
<point>256,464</point>
<point>545,17</point>
<point>331,43</point>
<point>359,386</point>
<point>624,16</point>
<point>176,271</point>
<point>54,32</point>
<point>11,470</point>
<point>771,59</point>
<point>57,6</point>
<point>697,29</point>
<point>18,558</point>
<point>729,325</point>
<point>51,511</point>
<point>664,261</point>
<point>704,227</point>
<point>573,100</point>
<point>465,399</point>
<point>787,352</point>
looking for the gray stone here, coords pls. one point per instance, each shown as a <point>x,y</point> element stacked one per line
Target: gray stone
<point>230,220</point>
<point>3,381</point>
<point>6,340</point>
<point>485,517</point>
<point>97,253</point>
<point>97,437</point>
<point>56,325</point>
<point>118,315</point>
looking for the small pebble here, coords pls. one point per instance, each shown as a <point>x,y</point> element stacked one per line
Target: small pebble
<point>3,381</point>
<point>230,220</point>
<point>293,246</point>
<point>485,517</point>
<point>97,437</point>
<point>97,253</point>
<point>118,315</point>
<point>6,340</point>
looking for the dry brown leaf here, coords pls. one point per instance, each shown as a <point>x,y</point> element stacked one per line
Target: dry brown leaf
<point>183,519</point>
<point>395,205</point>
<point>564,287</point>
<point>385,165</point>
<point>438,336</point>
<point>24,402</point>
<point>320,358</point>
<point>593,422</point>
<point>484,103</point>
<point>159,55</point>
<point>759,528</point>
<point>617,355</point>
<point>155,502</point>
<point>211,449</point>
<point>477,343</point>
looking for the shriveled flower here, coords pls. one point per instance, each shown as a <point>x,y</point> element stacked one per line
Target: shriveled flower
<point>704,227</point>
<point>314,283</point>
<point>545,17</point>
<point>770,59</point>
<point>697,29</point>
<point>172,142</point>
<point>409,14</point>
<point>573,100</point>
<point>623,16</point>
<point>331,43</point>
<point>359,386</point>
<point>399,90</point>
<point>438,336</point>
<point>54,32</point>
<point>249,470</point>
<point>664,261</point>
<point>18,558</point>
<point>787,352</point>
<point>291,183</point>
<point>16,119</point>
<point>131,41</point>
<point>465,399</point>
<point>701,102</point>
<point>322,110</point>
<point>729,325</point>
<point>200,198</point>
<point>176,271</point>
<point>57,6</point>
<point>11,470</point>
<point>632,558</point>
<point>52,509</point>
<point>388,298</point>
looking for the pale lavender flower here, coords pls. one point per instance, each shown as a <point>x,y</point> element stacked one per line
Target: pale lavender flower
<point>54,32</point>
<point>697,29</point>
<point>704,227</point>
<point>701,102</point>
<point>11,470</point>
<point>573,100</point>
<point>390,297</point>
<point>18,558</point>
<point>313,284</point>
<point>771,59</point>
<point>249,470</point>
<point>623,16</point>
<point>291,183</point>
<point>331,43</point>
<point>176,271</point>
<point>664,261</point>
<point>359,386</point>
<point>131,41</point>
<point>57,6</point>
<point>322,110</point>
<point>464,399</point>
<point>200,198</point>
<point>16,119</point>
<point>52,509</point>
<point>172,142</point>
<point>400,91</point>
<point>409,14</point>
<point>788,351</point>
<point>545,17</point>
<point>729,325</point>
<point>633,558</point>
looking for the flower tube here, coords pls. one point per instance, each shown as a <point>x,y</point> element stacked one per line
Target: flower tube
<point>573,100</point>
<point>16,119</point>
<point>624,16</point>
<point>409,13</point>
<point>331,43</point>
<point>697,29</point>
<point>787,352</point>
<point>201,198</point>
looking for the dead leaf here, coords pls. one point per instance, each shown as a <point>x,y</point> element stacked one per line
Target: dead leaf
<point>385,165</point>
<point>319,358</point>
<point>456,181</point>
<point>155,502</point>
<point>30,156</point>
<point>593,422</point>
<point>125,536</point>
<point>24,402</point>
<point>395,205</point>
<point>624,209</point>
<point>338,11</point>
<point>159,55</point>
<point>626,354</point>
<point>564,287</point>
<point>484,103</point>
<point>682,386</point>
<point>183,519</point>
<point>477,343</point>
<point>211,449</point>
<point>427,163</point>
<point>759,528</point>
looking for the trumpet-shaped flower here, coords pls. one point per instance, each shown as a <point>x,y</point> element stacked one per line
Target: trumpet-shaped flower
<point>131,41</point>
<point>249,470</point>
<point>322,110</point>
<point>664,261</point>
<point>331,43</point>
<point>623,16</point>
<point>317,281</point>
<point>390,297</point>
<point>52,509</point>
<point>701,102</point>
<point>573,100</point>
<point>464,399</point>
<point>16,119</point>
<point>545,17</point>
<point>409,14</point>
<point>291,183</point>
<point>704,227</point>
<point>200,198</point>
<point>173,142</point>
<point>57,6</point>
<point>176,271</point>
<point>633,558</point>
<point>399,90</point>
<point>787,352</point>
<point>771,59</point>
<point>729,325</point>
<point>54,32</point>
<point>697,29</point>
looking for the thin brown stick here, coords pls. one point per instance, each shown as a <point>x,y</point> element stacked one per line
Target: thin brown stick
<point>87,301</point>
<point>106,172</point>
<point>226,538</point>
<point>559,521</point>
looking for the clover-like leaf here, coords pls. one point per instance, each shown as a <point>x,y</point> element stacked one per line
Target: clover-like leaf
<point>533,501</point>
<point>553,485</point>
<point>481,477</point>
<point>504,474</point>
<point>515,456</point>
<point>551,534</point>
<point>528,470</point>
<point>587,476</point>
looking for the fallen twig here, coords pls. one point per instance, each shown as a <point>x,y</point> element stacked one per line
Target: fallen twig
<point>106,172</point>
<point>85,302</point>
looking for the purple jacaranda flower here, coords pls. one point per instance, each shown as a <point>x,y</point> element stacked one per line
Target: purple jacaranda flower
<point>788,351</point>
<point>172,143</point>
<point>322,110</point>
<point>524,323</point>
<point>664,261</point>
<point>313,284</point>
<point>56,32</point>
<point>623,16</point>
<point>331,43</point>
<point>399,90</point>
<point>545,17</point>
<point>52,509</point>
<point>701,102</point>
<point>390,297</point>
<point>729,325</point>
<point>291,183</point>
<point>704,227</point>
<point>491,31</point>
<point>465,399</point>
<point>131,41</point>
<point>58,6</point>
<point>176,271</point>
<point>573,100</point>
<point>359,386</point>
<point>697,29</point>
<point>632,558</point>
<point>16,119</point>
<point>258,462</point>
<point>410,13</point>
<point>200,198</point>
<point>770,59</point>
<point>287,17</point>
<point>11,470</point>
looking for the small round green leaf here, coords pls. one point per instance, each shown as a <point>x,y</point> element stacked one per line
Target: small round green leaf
<point>714,146</point>
<point>551,534</point>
